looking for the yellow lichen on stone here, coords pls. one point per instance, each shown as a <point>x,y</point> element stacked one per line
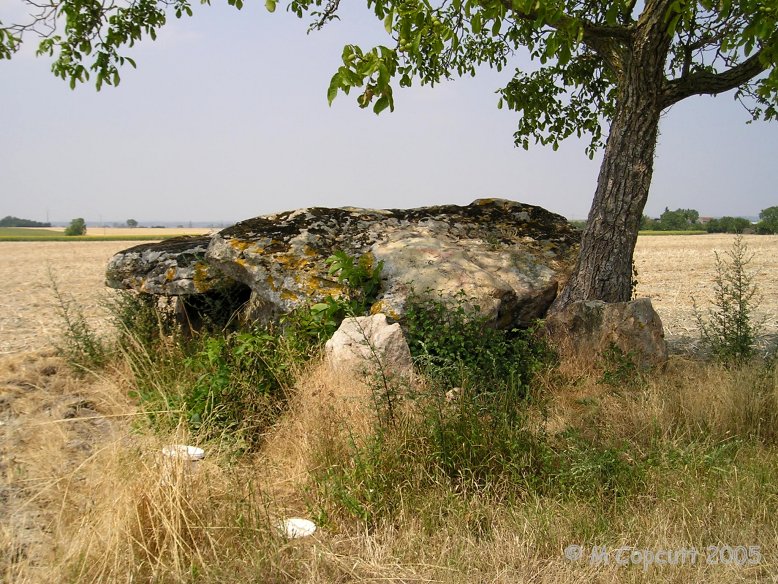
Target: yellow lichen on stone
<point>170,274</point>
<point>315,286</point>
<point>200,278</point>
<point>292,262</point>
<point>381,307</point>
<point>238,245</point>
<point>289,295</point>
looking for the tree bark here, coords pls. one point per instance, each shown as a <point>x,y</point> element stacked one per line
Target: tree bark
<point>604,268</point>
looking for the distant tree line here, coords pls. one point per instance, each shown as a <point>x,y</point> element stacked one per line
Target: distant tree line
<point>678,220</point>
<point>689,220</point>
<point>768,221</point>
<point>10,221</point>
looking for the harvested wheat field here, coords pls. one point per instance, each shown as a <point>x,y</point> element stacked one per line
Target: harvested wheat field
<point>28,305</point>
<point>674,269</point>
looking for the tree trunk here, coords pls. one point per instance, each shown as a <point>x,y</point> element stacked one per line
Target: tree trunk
<point>604,268</point>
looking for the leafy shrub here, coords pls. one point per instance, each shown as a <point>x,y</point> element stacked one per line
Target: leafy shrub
<point>362,275</point>
<point>76,227</point>
<point>451,341</point>
<point>239,381</point>
<point>318,322</point>
<point>474,438</point>
<point>729,332</point>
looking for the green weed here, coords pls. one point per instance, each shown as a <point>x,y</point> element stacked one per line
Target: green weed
<point>79,344</point>
<point>729,331</point>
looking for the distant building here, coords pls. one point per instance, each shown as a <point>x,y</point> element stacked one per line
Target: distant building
<point>704,220</point>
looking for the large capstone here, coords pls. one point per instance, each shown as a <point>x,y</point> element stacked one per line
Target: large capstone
<point>510,259</point>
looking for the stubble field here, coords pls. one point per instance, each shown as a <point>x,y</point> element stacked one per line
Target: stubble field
<point>671,271</point>
<point>28,307</point>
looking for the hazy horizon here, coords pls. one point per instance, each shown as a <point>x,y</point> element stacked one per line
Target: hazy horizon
<point>148,223</point>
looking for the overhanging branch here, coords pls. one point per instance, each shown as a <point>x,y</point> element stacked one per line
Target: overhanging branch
<point>608,42</point>
<point>705,83</point>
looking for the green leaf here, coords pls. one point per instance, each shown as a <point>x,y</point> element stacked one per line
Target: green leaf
<point>271,5</point>
<point>475,23</point>
<point>332,91</point>
<point>381,104</point>
<point>388,22</point>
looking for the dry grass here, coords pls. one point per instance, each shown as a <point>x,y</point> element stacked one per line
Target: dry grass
<point>52,424</point>
<point>326,406</point>
<point>89,503</point>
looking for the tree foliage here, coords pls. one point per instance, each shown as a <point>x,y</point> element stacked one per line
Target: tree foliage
<point>728,225</point>
<point>768,223</point>
<point>678,220</point>
<point>76,227</point>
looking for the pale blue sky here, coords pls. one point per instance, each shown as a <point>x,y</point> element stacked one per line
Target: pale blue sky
<point>226,118</point>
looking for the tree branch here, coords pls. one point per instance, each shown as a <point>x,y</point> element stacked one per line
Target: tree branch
<point>608,42</point>
<point>705,83</point>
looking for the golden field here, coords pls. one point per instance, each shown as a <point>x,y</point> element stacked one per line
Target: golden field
<point>674,269</point>
<point>28,309</point>
<point>135,231</point>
